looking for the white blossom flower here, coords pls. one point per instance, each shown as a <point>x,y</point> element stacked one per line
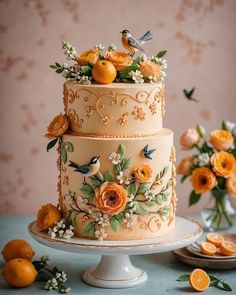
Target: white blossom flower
<point>203,159</point>
<point>99,46</point>
<point>137,76</point>
<point>61,230</point>
<point>124,177</point>
<point>115,158</point>
<point>229,125</point>
<point>143,57</point>
<point>85,80</point>
<point>100,234</point>
<point>129,220</point>
<point>152,78</point>
<point>112,47</point>
<point>149,195</point>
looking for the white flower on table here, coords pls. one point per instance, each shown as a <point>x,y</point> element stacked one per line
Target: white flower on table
<point>115,158</point>
<point>203,159</point>
<point>149,195</point>
<point>137,76</point>
<point>100,234</point>
<point>56,283</point>
<point>124,177</point>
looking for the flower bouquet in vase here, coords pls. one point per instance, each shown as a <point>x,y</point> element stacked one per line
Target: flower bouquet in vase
<point>211,168</point>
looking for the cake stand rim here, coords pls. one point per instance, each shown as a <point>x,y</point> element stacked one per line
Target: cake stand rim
<point>53,242</point>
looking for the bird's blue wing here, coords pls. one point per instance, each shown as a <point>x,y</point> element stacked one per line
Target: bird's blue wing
<point>186,93</point>
<point>191,91</point>
<point>146,37</point>
<point>145,149</point>
<point>83,169</point>
<point>134,44</point>
<point>151,151</point>
<point>73,165</point>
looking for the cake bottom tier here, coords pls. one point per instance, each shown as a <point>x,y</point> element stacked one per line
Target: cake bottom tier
<point>118,188</point>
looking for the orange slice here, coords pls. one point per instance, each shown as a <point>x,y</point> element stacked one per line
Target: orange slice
<point>199,280</point>
<point>227,248</point>
<point>215,239</point>
<point>208,248</point>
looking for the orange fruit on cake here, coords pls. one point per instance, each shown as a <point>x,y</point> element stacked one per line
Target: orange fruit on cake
<point>104,72</point>
<point>199,280</point>
<point>215,239</point>
<point>47,216</point>
<point>19,273</point>
<point>227,248</point>
<point>17,249</point>
<point>208,248</point>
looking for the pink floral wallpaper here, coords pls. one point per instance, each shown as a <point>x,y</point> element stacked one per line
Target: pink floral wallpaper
<point>198,34</point>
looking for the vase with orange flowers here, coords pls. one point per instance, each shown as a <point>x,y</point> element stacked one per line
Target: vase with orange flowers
<point>211,169</point>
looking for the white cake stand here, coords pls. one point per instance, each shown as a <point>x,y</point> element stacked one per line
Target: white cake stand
<point>115,269</point>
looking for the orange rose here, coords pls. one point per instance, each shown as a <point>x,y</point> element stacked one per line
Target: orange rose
<point>184,167</point>
<point>58,126</point>
<point>47,216</point>
<point>231,185</point>
<point>149,68</point>
<point>203,180</point>
<point>143,173</point>
<point>221,139</point>
<point>120,60</point>
<point>223,163</point>
<point>90,56</point>
<point>189,138</point>
<point>110,198</point>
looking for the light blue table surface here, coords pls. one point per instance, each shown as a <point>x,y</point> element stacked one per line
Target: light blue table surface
<point>162,269</point>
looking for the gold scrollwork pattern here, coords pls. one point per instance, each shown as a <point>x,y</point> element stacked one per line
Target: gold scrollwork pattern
<point>75,122</point>
<point>141,97</point>
<point>138,113</point>
<point>123,120</point>
<point>153,224</point>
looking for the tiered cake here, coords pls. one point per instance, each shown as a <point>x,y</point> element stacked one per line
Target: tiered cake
<point>116,164</point>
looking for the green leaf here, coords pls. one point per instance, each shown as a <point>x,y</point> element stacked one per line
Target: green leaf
<point>63,155</point>
<point>131,188</point>
<point>121,151</point>
<point>150,203</point>
<point>164,171</point>
<point>57,64</point>
<point>225,286</point>
<point>159,200</point>
<point>125,72</point>
<point>53,67</point>
<point>108,176</point>
<point>51,143</point>
<point>183,278</point>
<point>99,176</point>
<point>72,217</point>
<point>114,223</point>
<point>95,182</point>
<point>86,189</point>
<point>165,196</point>
<point>89,229</point>
<point>165,211</point>
<point>68,146</point>
<point>136,61</point>
<point>126,162</point>
<point>161,53</point>
<point>194,198</point>
<point>119,217</point>
<point>183,177</point>
<point>117,169</point>
<point>91,197</point>
<point>59,71</point>
<point>86,70</point>
<point>143,189</point>
<point>140,209</point>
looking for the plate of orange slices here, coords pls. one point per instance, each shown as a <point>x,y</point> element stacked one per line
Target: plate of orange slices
<point>215,246</point>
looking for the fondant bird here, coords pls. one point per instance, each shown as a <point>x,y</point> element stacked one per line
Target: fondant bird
<point>133,45</point>
<point>88,169</point>
<point>188,94</point>
<point>147,153</point>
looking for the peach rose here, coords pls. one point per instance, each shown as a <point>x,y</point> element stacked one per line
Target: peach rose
<point>110,198</point>
<point>90,56</point>
<point>231,185</point>
<point>58,126</point>
<point>120,60</point>
<point>184,167</point>
<point>149,68</point>
<point>221,139</point>
<point>143,173</point>
<point>47,216</point>
<point>223,163</point>
<point>203,180</point>
<point>189,138</point>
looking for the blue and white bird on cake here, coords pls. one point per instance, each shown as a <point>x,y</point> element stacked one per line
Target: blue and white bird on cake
<point>89,169</point>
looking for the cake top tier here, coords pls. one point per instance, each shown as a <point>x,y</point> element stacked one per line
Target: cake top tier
<point>104,66</point>
<point>114,110</point>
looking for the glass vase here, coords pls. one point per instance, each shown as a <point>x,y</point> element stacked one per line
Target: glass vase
<point>219,213</point>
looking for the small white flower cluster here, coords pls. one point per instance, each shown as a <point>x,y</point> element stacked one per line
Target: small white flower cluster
<point>60,230</point>
<point>124,177</point>
<point>69,51</point>
<point>149,195</point>
<point>230,125</point>
<point>163,65</point>
<point>55,283</point>
<point>101,218</point>
<point>100,234</point>
<point>80,78</point>
<point>137,77</point>
<point>152,78</point>
<point>129,220</point>
<point>143,57</point>
<point>70,195</point>
<point>44,260</point>
<point>131,204</point>
<point>112,47</point>
<point>202,160</point>
<point>115,158</point>
<point>99,46</point>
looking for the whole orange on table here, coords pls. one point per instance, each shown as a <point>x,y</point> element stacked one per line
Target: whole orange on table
<point>17,249</point>
<point>104,72</point>
<point>19,273</point>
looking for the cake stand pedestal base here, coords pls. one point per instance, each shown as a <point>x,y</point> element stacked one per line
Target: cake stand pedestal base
<point>115,272</point>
